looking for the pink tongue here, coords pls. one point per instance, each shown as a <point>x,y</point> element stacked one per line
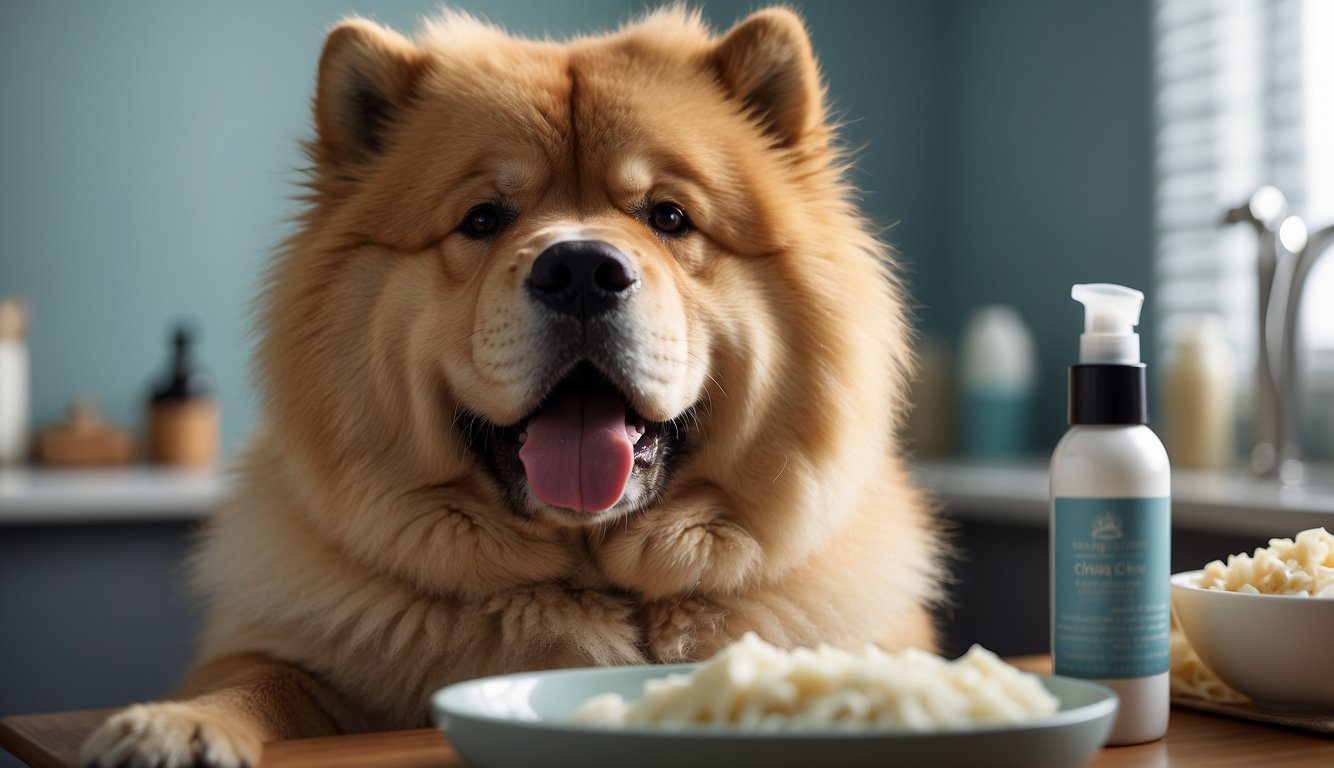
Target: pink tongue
<point>577,453</point>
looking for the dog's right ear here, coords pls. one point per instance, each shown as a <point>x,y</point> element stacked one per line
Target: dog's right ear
<point>767,63</point>
<point>367,75</point>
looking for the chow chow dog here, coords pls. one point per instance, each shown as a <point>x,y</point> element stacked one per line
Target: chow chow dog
<point>583,354</point>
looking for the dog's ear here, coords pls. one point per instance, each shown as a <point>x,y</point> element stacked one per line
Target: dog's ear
<point>766,62</point>
<point>367,75</point>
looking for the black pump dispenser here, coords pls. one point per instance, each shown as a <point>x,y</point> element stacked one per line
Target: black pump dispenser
<point>184,381</point>
<point>1108,384</point>
<point>1102,393</point>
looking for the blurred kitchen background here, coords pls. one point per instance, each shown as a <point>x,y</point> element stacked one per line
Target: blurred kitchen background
<point>1011,148</point>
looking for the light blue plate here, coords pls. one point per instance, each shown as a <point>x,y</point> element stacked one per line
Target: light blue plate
<point>521,721</point>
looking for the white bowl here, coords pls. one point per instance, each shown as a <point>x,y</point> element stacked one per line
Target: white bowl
<point>1276,649</point>
<point>523,720</point>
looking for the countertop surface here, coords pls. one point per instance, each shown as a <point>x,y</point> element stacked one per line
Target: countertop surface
<point>1015,493</point>
<point>1221,502</point>
<point>138,493</point>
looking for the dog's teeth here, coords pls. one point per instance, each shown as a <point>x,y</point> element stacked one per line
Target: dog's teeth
<point>523,436</point>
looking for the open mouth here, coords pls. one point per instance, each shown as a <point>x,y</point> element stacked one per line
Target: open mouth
<point>584,448</point>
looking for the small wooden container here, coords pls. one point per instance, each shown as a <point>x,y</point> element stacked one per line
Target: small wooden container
<point>85,439</point>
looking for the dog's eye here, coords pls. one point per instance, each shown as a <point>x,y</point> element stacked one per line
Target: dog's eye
<point>482,220</point>
<point>669,219</point>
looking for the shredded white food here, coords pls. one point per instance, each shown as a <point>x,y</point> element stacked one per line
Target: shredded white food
<point>1190,677</point>
<point>751,684</point>
<point>1300,566</point>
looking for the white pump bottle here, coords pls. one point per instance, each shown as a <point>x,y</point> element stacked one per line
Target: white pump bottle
<point>1111,523</point>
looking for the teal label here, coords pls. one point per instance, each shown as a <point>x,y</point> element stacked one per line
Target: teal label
<point>1111,607</point>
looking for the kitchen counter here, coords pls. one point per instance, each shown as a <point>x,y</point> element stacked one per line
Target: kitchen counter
<point>140,493</point>
<point>1215,502</point>
<point>1014,493</point>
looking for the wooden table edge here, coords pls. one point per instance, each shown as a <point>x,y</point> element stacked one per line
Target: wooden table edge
<point>17,736</point>
<point>23,750</point>
<point>428,748</point>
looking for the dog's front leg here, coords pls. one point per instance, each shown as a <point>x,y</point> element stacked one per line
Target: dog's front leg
<point>549,626</point>
<point>221,716</point>
<point>677,548</point>
<point>679,629</point>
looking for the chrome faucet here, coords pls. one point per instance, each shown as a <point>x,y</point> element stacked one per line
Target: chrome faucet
<point>1264,211</point>
<point>1306,251</point>
<point>1286,256</point>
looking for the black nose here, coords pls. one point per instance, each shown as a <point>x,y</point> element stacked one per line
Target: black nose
<point>582,278</point>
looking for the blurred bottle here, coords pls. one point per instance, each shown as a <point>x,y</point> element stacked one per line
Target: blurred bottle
<point>184,420</point>
<point>997,376</point>
<point>1201,397</point>
<point>13,381</point>
<point>931,423</point>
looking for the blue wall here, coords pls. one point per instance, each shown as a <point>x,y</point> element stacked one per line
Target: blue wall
<point>1008,146</point>
<point>147,151</point>
<point>1048,168</point>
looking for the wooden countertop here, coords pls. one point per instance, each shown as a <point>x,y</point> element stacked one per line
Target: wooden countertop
<point>1193,739</point>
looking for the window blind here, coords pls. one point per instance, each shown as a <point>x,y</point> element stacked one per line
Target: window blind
<point>1228,114</point>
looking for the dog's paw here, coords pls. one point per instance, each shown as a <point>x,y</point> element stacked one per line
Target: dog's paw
<point>563,627</point>
<point>170,735</point>
<point>678,629</point>
<point>665,556</point>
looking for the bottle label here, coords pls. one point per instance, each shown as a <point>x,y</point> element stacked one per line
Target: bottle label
<point>1111,603</point>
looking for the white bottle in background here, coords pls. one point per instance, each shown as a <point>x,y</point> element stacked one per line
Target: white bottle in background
<point>13,382</point>
<point>1200,411</point>
<point>997,373</point>
<point>1111,523</point>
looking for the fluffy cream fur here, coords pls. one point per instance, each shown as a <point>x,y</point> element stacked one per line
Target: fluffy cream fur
<point>367,559</point>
